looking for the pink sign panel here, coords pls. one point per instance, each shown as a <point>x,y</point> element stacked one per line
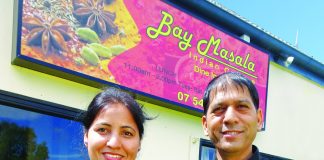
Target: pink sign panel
<point>178,55</point>
<point>144,45</point>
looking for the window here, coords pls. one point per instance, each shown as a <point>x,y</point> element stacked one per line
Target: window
<point>206,150</point>
<point>27,134</point>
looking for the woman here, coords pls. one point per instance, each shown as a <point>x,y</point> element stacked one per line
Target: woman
<point>114,126</point>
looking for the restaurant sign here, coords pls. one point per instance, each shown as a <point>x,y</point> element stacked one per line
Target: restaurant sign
<point>145,46</point>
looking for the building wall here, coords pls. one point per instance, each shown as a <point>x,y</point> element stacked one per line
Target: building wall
<point>294,116</point>
<point>293,122</point>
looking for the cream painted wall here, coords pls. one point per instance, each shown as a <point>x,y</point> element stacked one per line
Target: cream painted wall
<point>293,122</point>
<point>171,136</point>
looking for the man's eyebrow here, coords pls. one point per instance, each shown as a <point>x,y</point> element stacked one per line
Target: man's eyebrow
<point>215,105</point>
<point>244,101</point>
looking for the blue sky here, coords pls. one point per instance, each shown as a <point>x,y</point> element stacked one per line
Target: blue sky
<point>284,18</point>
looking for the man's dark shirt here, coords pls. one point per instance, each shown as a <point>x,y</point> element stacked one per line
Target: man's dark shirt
<point>256,155</point>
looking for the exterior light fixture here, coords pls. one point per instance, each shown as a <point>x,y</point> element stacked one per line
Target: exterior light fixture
<point>245,38</point>
<point>288,61</point>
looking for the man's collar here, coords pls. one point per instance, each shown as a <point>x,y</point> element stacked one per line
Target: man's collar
<point>255,153</point>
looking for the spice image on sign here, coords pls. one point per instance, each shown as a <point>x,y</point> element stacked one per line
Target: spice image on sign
<point>81,35</point>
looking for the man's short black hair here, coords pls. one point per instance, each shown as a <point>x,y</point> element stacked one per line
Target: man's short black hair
<point>227,79</point>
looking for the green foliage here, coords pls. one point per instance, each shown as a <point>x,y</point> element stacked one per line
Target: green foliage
<point>19,143</point>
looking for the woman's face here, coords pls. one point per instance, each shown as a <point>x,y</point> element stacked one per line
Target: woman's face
<point>113,135</point>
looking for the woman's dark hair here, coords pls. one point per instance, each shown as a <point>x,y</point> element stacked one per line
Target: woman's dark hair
<point>225,80</point>
<point>113,96</point>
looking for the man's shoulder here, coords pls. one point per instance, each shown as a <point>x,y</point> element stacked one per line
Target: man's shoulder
<point>266,156</point>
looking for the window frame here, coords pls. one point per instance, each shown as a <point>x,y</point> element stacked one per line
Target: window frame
<point>40,106</point>
<point>205,143</point>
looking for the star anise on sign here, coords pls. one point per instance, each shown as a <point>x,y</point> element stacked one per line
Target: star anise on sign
<point>49,35</point>
<point>91,13</point>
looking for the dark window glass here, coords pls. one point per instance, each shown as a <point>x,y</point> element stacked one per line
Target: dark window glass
<point>36,136</point>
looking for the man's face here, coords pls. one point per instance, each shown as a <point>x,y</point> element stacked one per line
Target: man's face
<point>231,120</point>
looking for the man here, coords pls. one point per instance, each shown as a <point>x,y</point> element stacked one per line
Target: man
<point>232,117</point>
